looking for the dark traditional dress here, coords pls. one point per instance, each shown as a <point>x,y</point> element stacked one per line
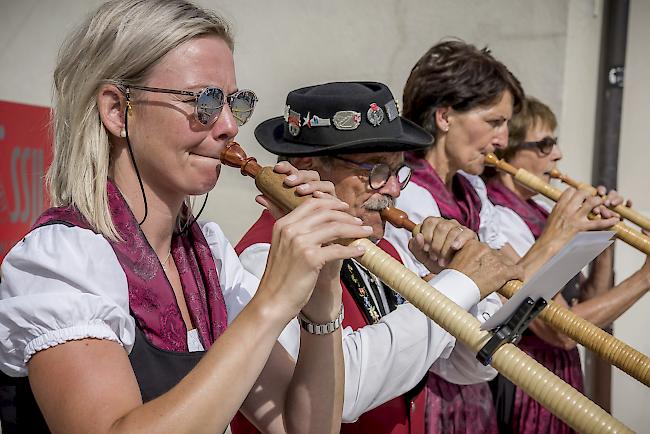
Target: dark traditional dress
<point>517,412</point>
<point>454,408</point>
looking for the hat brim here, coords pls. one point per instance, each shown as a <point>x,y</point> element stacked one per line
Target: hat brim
<point>270,134</point>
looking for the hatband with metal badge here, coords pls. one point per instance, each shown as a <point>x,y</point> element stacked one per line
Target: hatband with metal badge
<point>346,120</point>
<point>375,114</point>
<point>293,121</point>
<point>391,110</point>
<point>315,121</point>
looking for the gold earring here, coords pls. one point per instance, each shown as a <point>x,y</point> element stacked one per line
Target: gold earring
<point>123,133</point>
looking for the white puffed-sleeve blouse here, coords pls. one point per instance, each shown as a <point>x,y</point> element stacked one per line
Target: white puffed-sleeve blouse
<point>64,283</point>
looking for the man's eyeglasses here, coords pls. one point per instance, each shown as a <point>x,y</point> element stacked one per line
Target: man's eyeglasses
<point>209,102</point>
<point>545,146</point>
<point>380,173</point>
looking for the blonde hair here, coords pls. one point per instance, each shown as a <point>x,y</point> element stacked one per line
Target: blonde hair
<point>118,43</point>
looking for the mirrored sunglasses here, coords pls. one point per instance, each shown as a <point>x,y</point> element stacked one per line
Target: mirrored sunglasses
<point>545,146</point>
<point>209,102</point>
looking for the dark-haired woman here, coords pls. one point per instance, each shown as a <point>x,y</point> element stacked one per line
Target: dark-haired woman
<point>465,98</point>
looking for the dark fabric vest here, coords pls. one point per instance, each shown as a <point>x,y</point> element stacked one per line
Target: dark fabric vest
<point>156,370</point>
<point>401,415</point>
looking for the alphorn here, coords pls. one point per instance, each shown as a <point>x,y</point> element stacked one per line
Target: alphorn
<point>609,348</point>
<point>624,211</point>
<point>558,397</point>
<point>632,237</point>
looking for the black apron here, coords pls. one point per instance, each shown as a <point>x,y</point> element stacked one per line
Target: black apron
<point>156,370</point>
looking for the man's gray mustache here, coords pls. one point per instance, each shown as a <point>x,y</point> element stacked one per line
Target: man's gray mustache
<point>379,203</point>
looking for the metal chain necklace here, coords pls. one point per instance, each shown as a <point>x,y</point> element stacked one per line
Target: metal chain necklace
<point>166,262</point>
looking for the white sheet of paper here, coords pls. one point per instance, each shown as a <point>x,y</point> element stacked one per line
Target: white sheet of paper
<point>554,274</point>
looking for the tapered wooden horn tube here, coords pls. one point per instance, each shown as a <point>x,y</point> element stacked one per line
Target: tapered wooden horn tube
<point>609,348</point>
<point>632,237</point>
<point>558,397</point>
<point>624,211</point>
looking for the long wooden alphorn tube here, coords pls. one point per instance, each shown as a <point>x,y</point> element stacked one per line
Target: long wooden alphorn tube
<point>609,348</point>
<point>624,211</point>
<point>632,237</point>
<point>561,399</point>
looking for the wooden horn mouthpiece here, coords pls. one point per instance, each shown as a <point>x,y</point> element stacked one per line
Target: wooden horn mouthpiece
<point>556,174</point>
<point>235,156</point>
<point>397,218</point>
<point>572,182</point>
<point>493,160</point>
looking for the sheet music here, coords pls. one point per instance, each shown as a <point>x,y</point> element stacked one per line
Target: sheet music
<point>554,274</point>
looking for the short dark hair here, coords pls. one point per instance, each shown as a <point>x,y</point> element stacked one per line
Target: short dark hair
<point>456,74</point>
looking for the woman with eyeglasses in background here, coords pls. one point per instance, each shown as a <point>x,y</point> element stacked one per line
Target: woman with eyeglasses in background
<point>126,313</point>
<point>533,147</point>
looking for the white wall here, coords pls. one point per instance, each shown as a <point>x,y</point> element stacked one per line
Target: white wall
<point>283,45</point>
<point>552,46</point>
<point>578,115</point>
<point>630,401</point>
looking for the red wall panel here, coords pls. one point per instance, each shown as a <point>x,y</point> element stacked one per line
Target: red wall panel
<point>25,154</point>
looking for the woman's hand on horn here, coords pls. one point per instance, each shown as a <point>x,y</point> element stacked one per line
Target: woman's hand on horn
<point>302,246</point>
<point>610,199</point>
<point>570,216</point>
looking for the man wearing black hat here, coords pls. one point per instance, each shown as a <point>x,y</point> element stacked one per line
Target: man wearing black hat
<point>352,134</point>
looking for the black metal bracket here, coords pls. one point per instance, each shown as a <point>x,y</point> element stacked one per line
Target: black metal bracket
<point>512,329</point>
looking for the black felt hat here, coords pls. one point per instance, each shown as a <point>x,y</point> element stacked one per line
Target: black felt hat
<point>340,118</point>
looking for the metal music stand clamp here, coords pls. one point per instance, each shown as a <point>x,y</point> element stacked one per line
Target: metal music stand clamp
<point>512,329</point>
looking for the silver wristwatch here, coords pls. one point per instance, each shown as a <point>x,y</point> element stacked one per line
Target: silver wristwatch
<point>321,329</point>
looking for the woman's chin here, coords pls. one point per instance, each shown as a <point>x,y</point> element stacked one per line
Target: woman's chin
<point>208,180</point>
<point>202,186</point>
<point>475,169</point>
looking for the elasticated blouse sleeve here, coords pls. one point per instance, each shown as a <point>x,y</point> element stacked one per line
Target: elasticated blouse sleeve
<point>59,284</point>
